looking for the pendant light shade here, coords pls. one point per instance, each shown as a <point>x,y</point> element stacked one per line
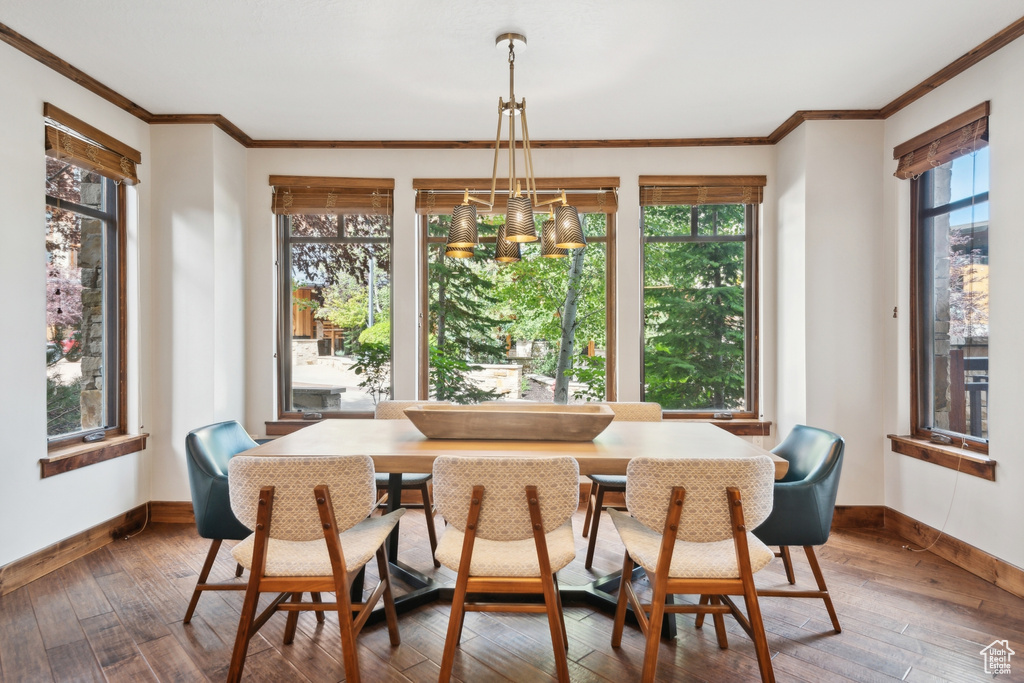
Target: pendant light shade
<point>568,230</point>
<point>505,251</point>
<point>458,252</point>
<point>547,241</point>
<point>519,220</point>
<point>462,232</point>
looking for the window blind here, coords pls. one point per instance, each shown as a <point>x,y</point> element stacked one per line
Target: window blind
<point>324,195</point>
<point>959,136</point>
<point>71,139</point>
<point>660,190</point>
<point>440,196</point>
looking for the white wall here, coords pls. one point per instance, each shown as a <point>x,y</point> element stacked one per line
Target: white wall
<point>198,328</point>
<point>845,313</point>
<point>790,189</point>
<point>403,166</point>
<point>982,513</point>
<point>831,314</point>
<point>38,512</point>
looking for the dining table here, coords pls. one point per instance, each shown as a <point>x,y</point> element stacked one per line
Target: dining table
<point>397,447</point>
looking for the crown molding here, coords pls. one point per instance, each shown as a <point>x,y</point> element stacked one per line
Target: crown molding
<point>958,66</point>
<point>44,56</point>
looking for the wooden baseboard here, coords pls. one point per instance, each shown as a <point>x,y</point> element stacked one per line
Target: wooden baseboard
<point>859,517</point>
<point>16,574</point>
<point>171,511</point>
<point>978,562</point>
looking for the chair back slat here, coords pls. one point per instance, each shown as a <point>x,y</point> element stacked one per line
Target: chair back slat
<point>636,411</point>
<point>504,515</point>
<point>705,517</point>
<point>349,478</point>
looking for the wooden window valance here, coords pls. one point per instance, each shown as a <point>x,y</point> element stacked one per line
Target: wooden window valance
<point>440,196</point>
<point>958,137</point>
<point>323,195</point>
<point>659,190</point>
<point>71,139</point>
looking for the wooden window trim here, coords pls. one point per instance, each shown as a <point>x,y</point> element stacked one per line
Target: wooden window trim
<point>69,457</point>
<point>970,461</point>
<point>753,350</point>
<point>611,348</point>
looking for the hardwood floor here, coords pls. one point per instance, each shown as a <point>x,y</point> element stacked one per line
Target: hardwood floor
<point>115,615</point>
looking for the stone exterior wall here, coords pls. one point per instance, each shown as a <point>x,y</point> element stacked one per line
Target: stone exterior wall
<point>305,352</point>
<point>504,379</point>
<point>90,261</point>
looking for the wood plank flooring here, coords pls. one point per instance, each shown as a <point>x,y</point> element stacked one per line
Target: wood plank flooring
<point>115,615</point>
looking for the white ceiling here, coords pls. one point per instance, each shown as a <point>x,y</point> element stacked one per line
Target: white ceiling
<point>428,69</point>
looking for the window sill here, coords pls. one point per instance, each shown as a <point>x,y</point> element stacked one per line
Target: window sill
<point>739,426</point>
<point>79,455</point>
<point>960,459</point>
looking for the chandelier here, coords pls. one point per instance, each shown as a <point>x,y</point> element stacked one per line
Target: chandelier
<point>561,232</point>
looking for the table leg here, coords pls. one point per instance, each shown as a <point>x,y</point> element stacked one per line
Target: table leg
<point>394,502</point>
<point>598,594</point>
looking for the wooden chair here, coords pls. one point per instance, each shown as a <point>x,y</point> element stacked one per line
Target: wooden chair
<point>313,534</point>
<point>601,484</point>
<point>688,530</point>
<point>804,502</point>
<point>395,410</point>
<point>517,533</point>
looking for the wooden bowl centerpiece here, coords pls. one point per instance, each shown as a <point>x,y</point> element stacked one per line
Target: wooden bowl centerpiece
<point>511,421</point>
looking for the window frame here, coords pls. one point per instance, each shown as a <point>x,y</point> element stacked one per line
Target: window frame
<point>918,327</point>
<point>608,239</point>
<point>115,299</point>
<point>752,297</point>
<point>284,311</point>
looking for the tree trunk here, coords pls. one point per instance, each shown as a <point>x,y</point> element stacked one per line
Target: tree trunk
<point>569,323</point>
<point>442,302</point>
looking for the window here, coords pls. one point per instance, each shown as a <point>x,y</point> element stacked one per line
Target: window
<point>950,278</point>
<point>86,174</point>
<point>536,329</point>
<point>700,293</point>
<point>334,320</point>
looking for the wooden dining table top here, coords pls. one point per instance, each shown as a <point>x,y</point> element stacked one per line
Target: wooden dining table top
<point>397,446</point>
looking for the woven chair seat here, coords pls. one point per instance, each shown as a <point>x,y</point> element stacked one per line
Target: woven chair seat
<point>507,558</point>
<point>310,558</point>
<point>691,560</point>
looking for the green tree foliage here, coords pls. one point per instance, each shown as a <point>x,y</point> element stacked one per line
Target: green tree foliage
<point>321,264</point>
<point>694,310</point>
<point>450,377</point>
<point>476,302</point>
<point>532,292</point>
<point>373,365</point>
<point>459,319</point>
<point>63,406</point>
<point>379,334</point>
